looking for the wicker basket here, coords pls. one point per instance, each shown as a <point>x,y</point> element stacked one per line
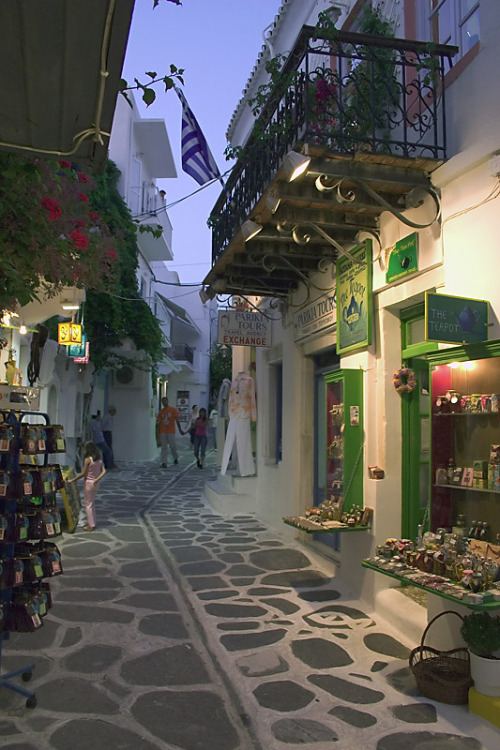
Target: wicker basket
<point>441,675</point>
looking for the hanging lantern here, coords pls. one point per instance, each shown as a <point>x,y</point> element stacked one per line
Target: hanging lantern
<point>69,333</point>
<point>77,350</point>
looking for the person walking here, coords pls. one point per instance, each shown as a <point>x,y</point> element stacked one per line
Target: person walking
<point>213,418</point>
<point>98,439</point>
<point>107,430</point>
<point>166,420</point>
<point>200,437</point>
<point>192,420</point>
<point>92,472</point>
<point>107,426</point>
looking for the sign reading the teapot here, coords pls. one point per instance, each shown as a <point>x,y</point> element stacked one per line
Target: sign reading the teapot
<point>455,320</point>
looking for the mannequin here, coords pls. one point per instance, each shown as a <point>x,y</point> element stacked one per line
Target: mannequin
<point>241,409</point>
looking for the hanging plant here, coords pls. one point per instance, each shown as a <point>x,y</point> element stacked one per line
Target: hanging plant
<point>50,237</point>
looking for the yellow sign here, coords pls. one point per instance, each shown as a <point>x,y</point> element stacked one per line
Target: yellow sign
<point>69,333</point>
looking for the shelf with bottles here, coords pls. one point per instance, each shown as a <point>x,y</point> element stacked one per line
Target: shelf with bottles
<point>465,440</point>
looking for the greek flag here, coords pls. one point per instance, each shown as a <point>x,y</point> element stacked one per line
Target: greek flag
<point>197,159</point>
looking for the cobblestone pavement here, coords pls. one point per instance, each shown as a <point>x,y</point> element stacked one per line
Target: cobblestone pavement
<point>173,627</point>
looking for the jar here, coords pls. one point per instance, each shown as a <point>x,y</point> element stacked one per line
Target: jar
<point>455,400</point>
<point>495,402</point>
<point>486,402</point>
<point>475,402</point>
<point>443,404</point>
<point>465,403</point>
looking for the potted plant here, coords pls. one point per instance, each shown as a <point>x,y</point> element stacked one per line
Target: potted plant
<point>481,632</point>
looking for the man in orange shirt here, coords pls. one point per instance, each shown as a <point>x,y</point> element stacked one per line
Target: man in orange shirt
<point>166,420</point>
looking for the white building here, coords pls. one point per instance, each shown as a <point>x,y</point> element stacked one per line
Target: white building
<point>434,231</point>
<point>140,147</point>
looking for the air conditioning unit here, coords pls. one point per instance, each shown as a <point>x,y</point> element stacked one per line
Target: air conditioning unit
<point>128,376</point>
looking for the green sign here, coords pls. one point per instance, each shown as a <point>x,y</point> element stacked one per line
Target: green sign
<point>354,299</point>
<point>455,320</point>
<point>403,258</point>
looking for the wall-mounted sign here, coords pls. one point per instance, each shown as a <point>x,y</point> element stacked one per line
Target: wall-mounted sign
<point>354,299</point>
<point>402,258</point>
<point>455,320</point>
<point>243,328</point>
<point>316,316</point>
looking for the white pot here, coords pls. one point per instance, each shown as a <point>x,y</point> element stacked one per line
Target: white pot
<point>486,675</point>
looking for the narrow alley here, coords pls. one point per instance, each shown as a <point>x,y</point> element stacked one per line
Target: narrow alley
<point>173,627</point>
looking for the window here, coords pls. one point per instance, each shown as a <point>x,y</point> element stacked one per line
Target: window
<point>452,22</point>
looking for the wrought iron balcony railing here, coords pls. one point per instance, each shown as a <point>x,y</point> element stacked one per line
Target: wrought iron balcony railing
<point>180,353</point>
<point>354,93</point>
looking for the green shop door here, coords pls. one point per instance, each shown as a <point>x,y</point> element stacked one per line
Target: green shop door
<point>416,433</point>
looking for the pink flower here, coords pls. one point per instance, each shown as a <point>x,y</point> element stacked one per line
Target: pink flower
<point>79,223</point>
<point>79,240</point>
<point>52,207</point>
<point>112,254</point>
<point>65,164</point>
<point>94,216</point>
<point>83,197</point>
<point>83,177</point>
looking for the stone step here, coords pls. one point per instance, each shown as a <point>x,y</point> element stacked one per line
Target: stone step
<point>223,498</point>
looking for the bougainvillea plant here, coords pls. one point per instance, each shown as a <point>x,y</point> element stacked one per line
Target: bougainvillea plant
<point>50,237</point>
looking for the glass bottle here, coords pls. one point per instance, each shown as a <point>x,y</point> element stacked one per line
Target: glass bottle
<point>472,530</point>
<point>484,534</point>
<point>450,471</point>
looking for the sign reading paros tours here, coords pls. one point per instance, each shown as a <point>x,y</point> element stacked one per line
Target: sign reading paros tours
<point>316,316</point>
<point>243,328</point>
<point>354,299</point>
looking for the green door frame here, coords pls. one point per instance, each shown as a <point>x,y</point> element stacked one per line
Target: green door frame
<point>413,354</point>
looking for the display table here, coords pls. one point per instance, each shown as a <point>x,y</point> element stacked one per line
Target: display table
<point>311,527</point>
<point>485,606</point>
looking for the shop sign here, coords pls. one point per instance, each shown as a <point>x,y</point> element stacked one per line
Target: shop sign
<point>402,258</point>
<point>455,320</point>
<point>317,316</point>
<point>183,406</point>
<point>243,328</point>
<point>354,299</point>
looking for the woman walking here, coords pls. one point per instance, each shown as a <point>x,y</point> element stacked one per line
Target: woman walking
<point>93,470</point>
<point>200,437</point>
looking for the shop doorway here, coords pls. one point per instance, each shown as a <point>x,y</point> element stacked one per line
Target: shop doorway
<point>324,364</point>
<point>416,424</point>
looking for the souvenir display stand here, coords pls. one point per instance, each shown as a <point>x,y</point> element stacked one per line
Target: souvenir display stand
<point>28,519</point>
<point>340,505</point>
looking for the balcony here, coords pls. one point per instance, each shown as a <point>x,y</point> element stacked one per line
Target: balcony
<point>365,116</point>
<point>180,353</point>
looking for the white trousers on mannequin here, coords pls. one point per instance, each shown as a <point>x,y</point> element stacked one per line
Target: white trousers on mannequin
<point>238,431</point>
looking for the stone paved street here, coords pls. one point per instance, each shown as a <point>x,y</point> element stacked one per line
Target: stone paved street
<point>173,627</point>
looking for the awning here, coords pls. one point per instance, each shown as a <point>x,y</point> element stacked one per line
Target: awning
<point>61,66</point>
<point>179,314</point>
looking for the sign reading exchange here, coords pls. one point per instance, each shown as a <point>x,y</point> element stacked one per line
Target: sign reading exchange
<point>316,316</point>
<point>243,328</point>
